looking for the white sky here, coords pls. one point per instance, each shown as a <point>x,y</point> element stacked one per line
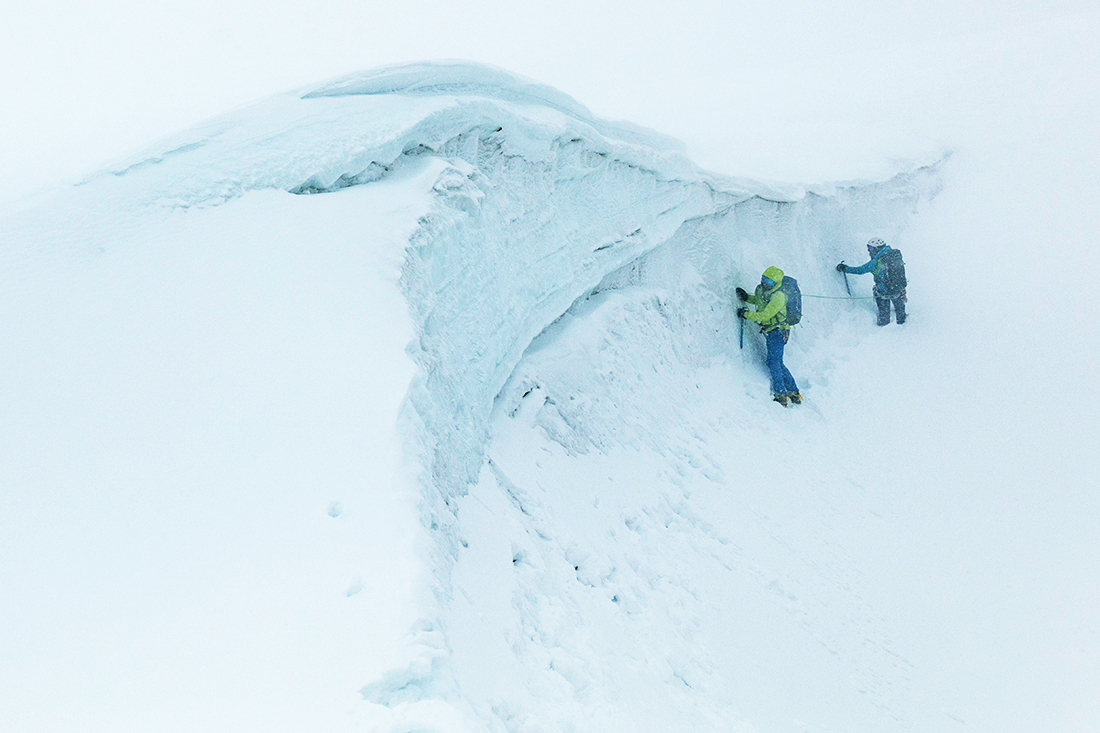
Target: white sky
<point>85,83</point>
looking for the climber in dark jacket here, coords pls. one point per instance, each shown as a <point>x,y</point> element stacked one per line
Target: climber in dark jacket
<point>884,293</point>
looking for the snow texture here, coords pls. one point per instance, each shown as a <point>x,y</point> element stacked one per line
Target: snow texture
<point>576,507</point>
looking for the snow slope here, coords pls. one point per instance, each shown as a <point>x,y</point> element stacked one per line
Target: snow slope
<point>412,402</point>
<point>198,465</point>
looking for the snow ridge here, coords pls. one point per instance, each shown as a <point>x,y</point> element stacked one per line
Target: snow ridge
<point>355,130</point>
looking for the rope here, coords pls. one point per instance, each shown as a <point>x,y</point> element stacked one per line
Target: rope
<point>839,297</point>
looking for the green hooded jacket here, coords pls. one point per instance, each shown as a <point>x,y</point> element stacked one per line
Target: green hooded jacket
<point>771,304</point>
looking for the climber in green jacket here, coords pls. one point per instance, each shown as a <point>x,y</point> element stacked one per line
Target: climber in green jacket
<point>771,314</point>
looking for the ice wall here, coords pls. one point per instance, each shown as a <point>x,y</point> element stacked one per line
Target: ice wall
<point>539,208</point>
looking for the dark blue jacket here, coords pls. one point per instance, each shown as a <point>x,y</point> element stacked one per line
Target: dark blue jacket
<point>875,268</point>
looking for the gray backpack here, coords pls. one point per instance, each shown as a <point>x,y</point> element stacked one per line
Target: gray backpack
<point>893,272</point>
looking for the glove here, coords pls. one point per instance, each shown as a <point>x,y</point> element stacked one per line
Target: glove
<point>741,312</point>
<point>742,294</point>
<point>841,267</point>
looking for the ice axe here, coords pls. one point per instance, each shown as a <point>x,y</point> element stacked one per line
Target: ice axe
<point>845,274</point>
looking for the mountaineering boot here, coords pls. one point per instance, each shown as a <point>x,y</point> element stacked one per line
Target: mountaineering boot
<point>795,397</point>
<point>901,319</point>
<point>781,399</point>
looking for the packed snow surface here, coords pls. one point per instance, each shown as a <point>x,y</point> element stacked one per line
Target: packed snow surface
<point>414,401</point>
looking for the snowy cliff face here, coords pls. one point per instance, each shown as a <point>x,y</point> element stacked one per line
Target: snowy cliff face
<point>519,237</point>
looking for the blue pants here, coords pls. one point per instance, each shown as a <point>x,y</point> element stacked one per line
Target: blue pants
<point>782,381</point>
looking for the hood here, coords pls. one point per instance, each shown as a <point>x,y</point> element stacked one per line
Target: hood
<point>774,273</point>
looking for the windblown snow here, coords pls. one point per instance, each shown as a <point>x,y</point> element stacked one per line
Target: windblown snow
<point>413,402</point>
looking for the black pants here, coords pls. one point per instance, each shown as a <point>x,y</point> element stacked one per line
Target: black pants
<point>884,309</point>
